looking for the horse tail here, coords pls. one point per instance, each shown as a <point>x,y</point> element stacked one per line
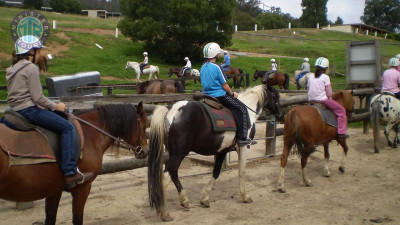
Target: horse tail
<point>179,87</point>
<point>293,131</point>
<point>156,159</point>
<point>45,64</point>
<point>375,120</point>
<point>287,79</point>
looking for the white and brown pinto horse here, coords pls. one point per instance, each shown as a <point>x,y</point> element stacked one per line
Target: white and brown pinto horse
<point>185,126</point>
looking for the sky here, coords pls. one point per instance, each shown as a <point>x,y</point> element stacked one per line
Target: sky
<point>349,10</point>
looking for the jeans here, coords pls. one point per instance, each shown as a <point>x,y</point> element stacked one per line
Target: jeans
<point>239,112</point>
<point>301,74</point>
<point>225,67</point>
<point>141,67</point>
<point>54,122</point>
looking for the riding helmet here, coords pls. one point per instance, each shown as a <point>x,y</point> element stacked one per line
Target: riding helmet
<point>322,62</point>
<point>394,62</point>
<point>211,50</point>
<point>186,58</point>
<point>272,60</point>
<point>145,53</point>
<point>306,59</point>
<point>26,43</point>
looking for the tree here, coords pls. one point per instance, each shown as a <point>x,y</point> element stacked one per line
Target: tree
<point>177,28</point>
<point>36,4</point>
<point>244,21</point>
<point>66,6</point>
<point>314,11</point>
<point>250,7</point>
<point>338,21</point>
<point>274,19</point>
<point>383,14</point>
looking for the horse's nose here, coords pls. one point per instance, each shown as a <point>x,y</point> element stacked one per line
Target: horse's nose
<point>143,153</point>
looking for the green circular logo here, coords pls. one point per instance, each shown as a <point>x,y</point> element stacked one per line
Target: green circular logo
<point>30,23</point>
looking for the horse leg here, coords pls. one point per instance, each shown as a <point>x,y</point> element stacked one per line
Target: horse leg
<point>51,208</point>
<point>326,156</point>
<point>287,146</point>
<point>242,166</point>
<point>79,197</point>
<point>388,128</point>
<point>343,143</point>
<point>172,166</point>
<point>205,193</point>
<point>396,138</point>
<point>306,179</point>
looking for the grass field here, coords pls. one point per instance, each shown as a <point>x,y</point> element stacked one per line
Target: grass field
<point>74,49</point>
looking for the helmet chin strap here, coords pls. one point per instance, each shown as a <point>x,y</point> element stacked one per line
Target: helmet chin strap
<point>34,56</point>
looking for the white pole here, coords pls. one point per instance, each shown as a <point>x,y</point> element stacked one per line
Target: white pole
<point>317,25</point>
<point>290,25</point>
<point>255,27</point>
<point>235,28</point>
<point>385,35</point>
<point>375,33</point>
<point>367,32</point>
<point>116,32</point>
<point>54,25</point>
<point>329,26</point>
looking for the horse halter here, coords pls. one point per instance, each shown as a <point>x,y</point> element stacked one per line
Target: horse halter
<point>276,102</point>
<point>138,151</point>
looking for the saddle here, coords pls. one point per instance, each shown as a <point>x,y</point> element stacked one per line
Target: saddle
<point>146,67</point>
<point>26,143</point>
<point>326,114</point>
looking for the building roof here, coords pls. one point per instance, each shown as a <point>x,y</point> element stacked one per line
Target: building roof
<point>364,26</point>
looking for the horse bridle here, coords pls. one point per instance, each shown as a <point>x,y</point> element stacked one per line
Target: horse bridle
<point>121,143</point>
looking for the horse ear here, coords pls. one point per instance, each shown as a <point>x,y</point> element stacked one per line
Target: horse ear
<point>139,108</point>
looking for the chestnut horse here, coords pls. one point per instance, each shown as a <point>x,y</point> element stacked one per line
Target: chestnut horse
<point>42,62</point>
<point>100,127</point>
<point>236,81</point>
<point>159,87</point>
<point>277,78</point>
<point>305,128</point>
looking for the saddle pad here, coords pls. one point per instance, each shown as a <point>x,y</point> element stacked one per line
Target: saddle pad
<point>222,119</point>
<point>20,145</point>
<point>326,115</point>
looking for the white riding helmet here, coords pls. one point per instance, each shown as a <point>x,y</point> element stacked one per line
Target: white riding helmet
<point>322,62</point>
<point>26,43</point>
<point>394,62</point>
<point>272,60</point>
<point>186,58</point>
<point>145,53</point>
<point>306,59</point>
<point>398,56</point>
<point>225,52</point>
<point>211,50</point>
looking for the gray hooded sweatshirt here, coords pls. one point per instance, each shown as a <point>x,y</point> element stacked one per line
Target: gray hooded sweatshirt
<point>24,87</point>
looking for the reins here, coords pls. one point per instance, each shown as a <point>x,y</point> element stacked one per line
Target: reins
<point>121,143</point>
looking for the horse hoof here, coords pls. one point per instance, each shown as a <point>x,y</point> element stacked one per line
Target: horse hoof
<point>328,174</point>
<point>281,190</point>
<point>376,151</point>
<point>185,205</point>
<point>166,217</point>
<point>205,203</point>
<point>341,169</point>
<point>248,200</point>
<point>308,184</point>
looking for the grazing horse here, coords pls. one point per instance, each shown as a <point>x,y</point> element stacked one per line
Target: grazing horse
<point>233,71</point>
<point>151,70</point>
<point>159,87</point>
<point>302,83</point>
<point>385,110</point>
<point>277,78</point>
<point>305,128</point>
<point>42,62</point>
<point>185,126</point>
<point>102,127</point>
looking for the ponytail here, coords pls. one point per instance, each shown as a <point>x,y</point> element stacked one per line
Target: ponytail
<point>319,71</point>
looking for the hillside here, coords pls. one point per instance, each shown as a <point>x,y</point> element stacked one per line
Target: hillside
<point>73,46</point>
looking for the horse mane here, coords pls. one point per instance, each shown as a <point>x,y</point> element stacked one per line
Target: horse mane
<point>347,98</point>
<point>258,90</point>
<point>119,119</point>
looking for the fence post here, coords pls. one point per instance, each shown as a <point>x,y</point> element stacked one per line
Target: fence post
<point>247,80</point>
<point>270,135</point>
<point>183,83</point>
<point>109,90</point>
<point>367,107</point>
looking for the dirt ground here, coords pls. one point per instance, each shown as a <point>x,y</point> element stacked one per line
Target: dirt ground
<point>367,193</point>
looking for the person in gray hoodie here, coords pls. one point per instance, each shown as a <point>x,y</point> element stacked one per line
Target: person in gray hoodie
<point>24,95</point>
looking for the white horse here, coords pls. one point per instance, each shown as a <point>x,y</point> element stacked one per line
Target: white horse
<point>152,70</point>
<point>195,73</point>
<point>302,81</point>
<point>385,110</point>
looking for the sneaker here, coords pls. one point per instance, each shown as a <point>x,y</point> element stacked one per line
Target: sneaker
<point>244,142</point>
<point>77,178</point>
<point>253,142</point>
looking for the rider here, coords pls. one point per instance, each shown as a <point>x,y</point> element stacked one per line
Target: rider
<point>305,68</point>
<point>227,61</point>
<point>320,90</point>
<point>273,69</point>
<point>187,66</point>
<point>214,82</point>
<point>24,95</point>
<point>144,63</point>
<point>391,78</point>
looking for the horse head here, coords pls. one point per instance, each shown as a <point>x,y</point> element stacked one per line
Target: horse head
<point>141,87</point>
<point>170,72</point>
<point>345,98</point>
<point>142,122</point>
<point>255,75</point>
<point>272,102</point>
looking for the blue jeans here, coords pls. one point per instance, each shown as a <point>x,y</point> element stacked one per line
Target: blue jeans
<point>54,122</point>
<point>141,67</point>
<point>225,67</point>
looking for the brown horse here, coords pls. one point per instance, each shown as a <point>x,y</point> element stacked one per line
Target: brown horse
<point>177,71</point>
<point>236,81</point>
<point>277,78</point>
<point>42,62</point>
<point>25,183</point>
<point>305,128</point>
<point>159,87</point>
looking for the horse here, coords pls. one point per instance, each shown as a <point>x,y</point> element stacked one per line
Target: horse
<point>42,62</point>
<point>277,78</point>
<point>151,70</point>
<point>302,83</point>
<point>185,126</point>
<point>116,124</point>
<point>385,110</point>
<point>178,72</point>
<point>233,71</point>
<point>305,128</point>
<point>159,87</point>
